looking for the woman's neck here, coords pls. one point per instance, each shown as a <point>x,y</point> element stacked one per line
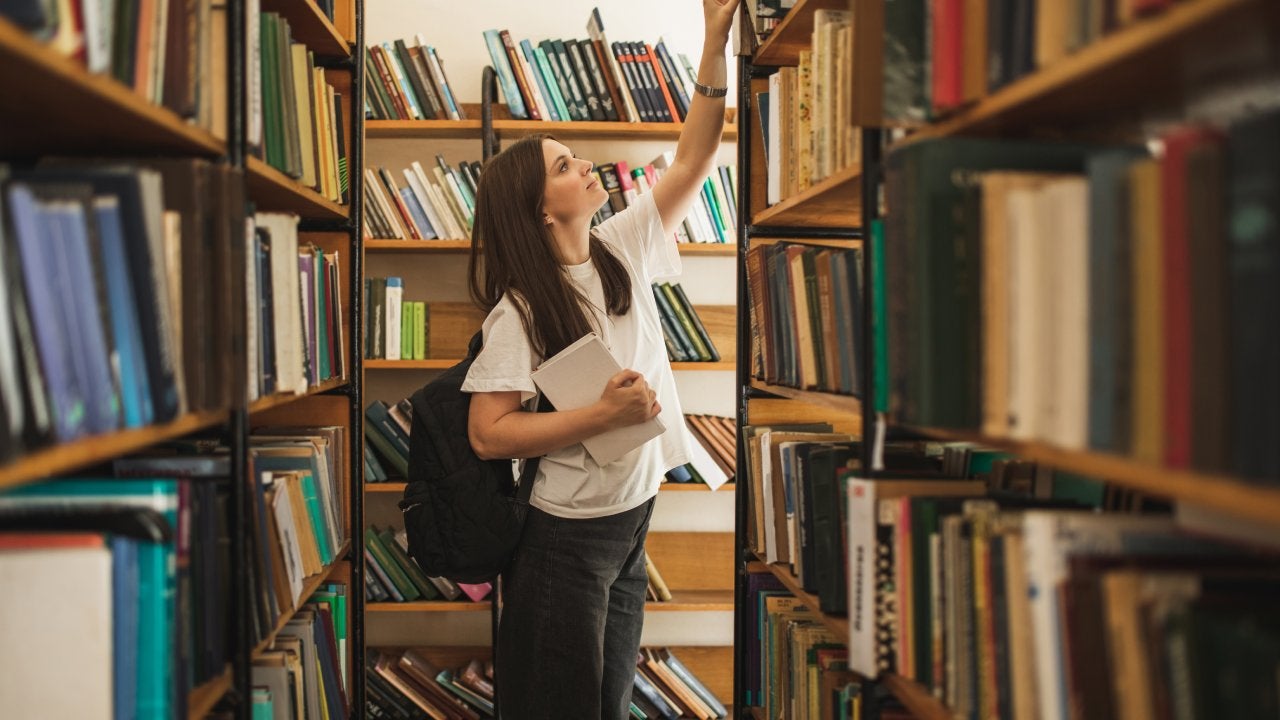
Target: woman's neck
<point>573,243</point>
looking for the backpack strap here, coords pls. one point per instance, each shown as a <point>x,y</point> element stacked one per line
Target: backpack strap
<point>525,488</point>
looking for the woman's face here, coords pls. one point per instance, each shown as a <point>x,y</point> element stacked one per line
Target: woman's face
<point>572,191</point>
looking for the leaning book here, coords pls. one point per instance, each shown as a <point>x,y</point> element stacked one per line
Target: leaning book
<point>576,377</point>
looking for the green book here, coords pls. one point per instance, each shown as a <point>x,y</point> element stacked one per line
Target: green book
<point>406,331</point>
<point>271,125</point>
<point>317,515</point>
<point>410,568</point>
<point>681,316</point>
<point>697,321</point>
<point>386,450</point>
<point>879,318</point>
<point>420,331</point>
<point>389,566</point>
<point>263,706</point>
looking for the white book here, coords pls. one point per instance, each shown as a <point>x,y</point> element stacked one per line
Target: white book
<point>706,466</point>
<point>395,295</point>
<point>576,377</point>
<point>1070,198</point>
<point>288,536</point>
<point>773,188</point>
<point>424,200</point>
<point>252,319</point>
<point>286,296</point>
<point>438,210</point>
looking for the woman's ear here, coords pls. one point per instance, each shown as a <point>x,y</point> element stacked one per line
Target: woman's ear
<point>546,219</point>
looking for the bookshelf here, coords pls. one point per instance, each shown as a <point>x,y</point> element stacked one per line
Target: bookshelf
<point>509,128</point>
<point>1125,86</point>
<point>463,247</point>
<point>51,105</point>
<point>397,488</point>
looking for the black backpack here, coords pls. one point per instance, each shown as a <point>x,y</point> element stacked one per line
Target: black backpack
<point>463,515</point>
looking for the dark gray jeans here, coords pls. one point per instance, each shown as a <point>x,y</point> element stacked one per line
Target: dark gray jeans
<point>573,608</point>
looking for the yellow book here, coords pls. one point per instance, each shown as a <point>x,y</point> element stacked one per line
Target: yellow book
<point>1147,377</point>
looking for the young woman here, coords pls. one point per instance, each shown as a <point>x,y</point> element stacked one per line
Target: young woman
<point>574,592</point>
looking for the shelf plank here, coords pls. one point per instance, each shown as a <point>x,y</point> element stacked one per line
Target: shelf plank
<point>836,202</point>
<point>837,625</point>
<point>272,190</point>
<point>428,606</point>
<point>462,247</point>
<point>681,601</point>
<point>45,99</point>
<point>280,399</point>
<point>309,586</point>
<point>1115,74</point>
<point>1219,492</point>
<point>202,698</point>
<point>66,457</point>
<point>309,25</point>
<point>445,363</point>
<point>794,33</point>
<point>507,127</point>
<point>397,488</point>
<point>843,403</point>
<point>919,701</point>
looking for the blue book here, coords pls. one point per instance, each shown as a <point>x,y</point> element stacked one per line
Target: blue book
<point>547,70</point>
<point>651,694</point>
<point>157,568</point>
<point>502,66</point>
<point>434,61</point>
<point>416,212</point>
<point>40,273</point>
<point>526,48</point>
<point>135,387</point>
<point>402,78</point>
<point>124,619</point>
<point>102,398</point>
<point>694,684</point>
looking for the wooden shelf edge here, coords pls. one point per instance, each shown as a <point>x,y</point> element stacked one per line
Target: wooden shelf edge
<point>837,625</point>
<point>382,245</point>
<point>796,28</point>
<point>844,403</point>
<point>437,129</point>
<point>696,366</point>
<point>1219,492</point>
<point>301,199</point>
<point>1144,35</point>
<point>203,697</point>
<point>428,364</point>
<point>847,180</point>
<point>309,586</point>
<point>312,27</point>
<point>67,457</point>
<point>274,401</point>
<point>922,704</point>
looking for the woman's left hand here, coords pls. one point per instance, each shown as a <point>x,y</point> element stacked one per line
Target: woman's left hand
<point>718,15</point>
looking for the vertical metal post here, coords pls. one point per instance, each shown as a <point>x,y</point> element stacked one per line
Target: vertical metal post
<point>870,211</point>
<point>241,510</point>
<point>355,195</point>
<point>742,634</point>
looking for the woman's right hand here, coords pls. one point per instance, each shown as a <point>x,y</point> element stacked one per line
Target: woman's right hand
<point>628,400</point>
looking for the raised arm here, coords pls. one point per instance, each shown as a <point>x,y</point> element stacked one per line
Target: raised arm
<point>696,150</point>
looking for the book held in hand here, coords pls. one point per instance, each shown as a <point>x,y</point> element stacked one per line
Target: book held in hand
<point>575,377</point>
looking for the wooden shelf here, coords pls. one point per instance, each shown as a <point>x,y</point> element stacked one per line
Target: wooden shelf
<point>272,190</point>
<point>274,401</point>
<point>835,202</point>
<point>1219,492</point>
<point>428,606</point>
<point>202,698</point>
<point>463,247</point>
<point>45,99</point>
<point>429,364</point>
<point>843,403</point>
<point>922,704</point>
<point>309,586</point>
<point>309,25</point>
<point>794,33</point>
<point>397,488</point>
<point>837,625</point>
<point>66,457</point>
<point>506,127</point>
<point>1145,64</point>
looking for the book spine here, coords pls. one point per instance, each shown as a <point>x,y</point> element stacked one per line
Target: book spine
<point>502,65</point>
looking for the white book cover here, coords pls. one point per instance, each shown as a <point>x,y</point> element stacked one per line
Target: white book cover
<point>773,188</point>
<point>395,295</point>
<point>285,293</point>
<point>288,537</point>
<point>576,377</point>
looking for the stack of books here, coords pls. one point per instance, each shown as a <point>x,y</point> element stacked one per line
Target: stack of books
<point>686,336</point>
<point>713,217</point>
<point>405,684</point>
<point>386,440</point>
<point>304,671</point>
<point>407,82</point>
<point>430,204</point>
<point>665,688</point>
<point>713,462</point>
<point>395,329</point>
<point>394,576</point>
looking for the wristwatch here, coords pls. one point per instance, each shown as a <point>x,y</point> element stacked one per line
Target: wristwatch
<point>711,92</point>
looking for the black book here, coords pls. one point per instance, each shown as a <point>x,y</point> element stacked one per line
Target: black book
<point>596,74</point>
<point>653,90</point>
<point>415,80</point>
<point>583,75</point>
<point>635,86</point>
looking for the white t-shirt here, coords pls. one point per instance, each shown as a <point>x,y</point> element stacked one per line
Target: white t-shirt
<point>569,482</point>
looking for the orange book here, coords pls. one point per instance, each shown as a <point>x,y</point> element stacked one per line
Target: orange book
<point>652,58</point>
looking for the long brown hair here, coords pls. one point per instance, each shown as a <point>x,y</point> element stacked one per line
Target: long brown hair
<point>512,250</point>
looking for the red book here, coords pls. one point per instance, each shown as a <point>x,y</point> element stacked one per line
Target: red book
<point>948,54</point>
<point>1177,289</point>
<point>1143,7</point>
<point>652,57</point>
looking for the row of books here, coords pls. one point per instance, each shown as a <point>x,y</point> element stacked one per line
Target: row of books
<point>394,576</point>
<point>135,567</point>
<point>799,668</point>
<point>386,440</point>
<point>665,688</point>
<point>171,53</point>
<point>395,329</point>
<point>109,273</point>
<point>806,114</point>
<point>713,217</point>
<point>304,672</point>
<point>299,505</point>
<point>759,21</point>
<point>405,684</point>
<point>296,120</point>
<point>687,338</point>
<point>714,454</point>
<point>593,79</point>
<point>939,56</point>
<point>806,316</point>
<point>430,205</point>
<point>1121,300</point>
<point>408,82</point>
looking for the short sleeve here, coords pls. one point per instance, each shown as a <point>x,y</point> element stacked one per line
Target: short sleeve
<point>506,362</point>
<point>637,231</point>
